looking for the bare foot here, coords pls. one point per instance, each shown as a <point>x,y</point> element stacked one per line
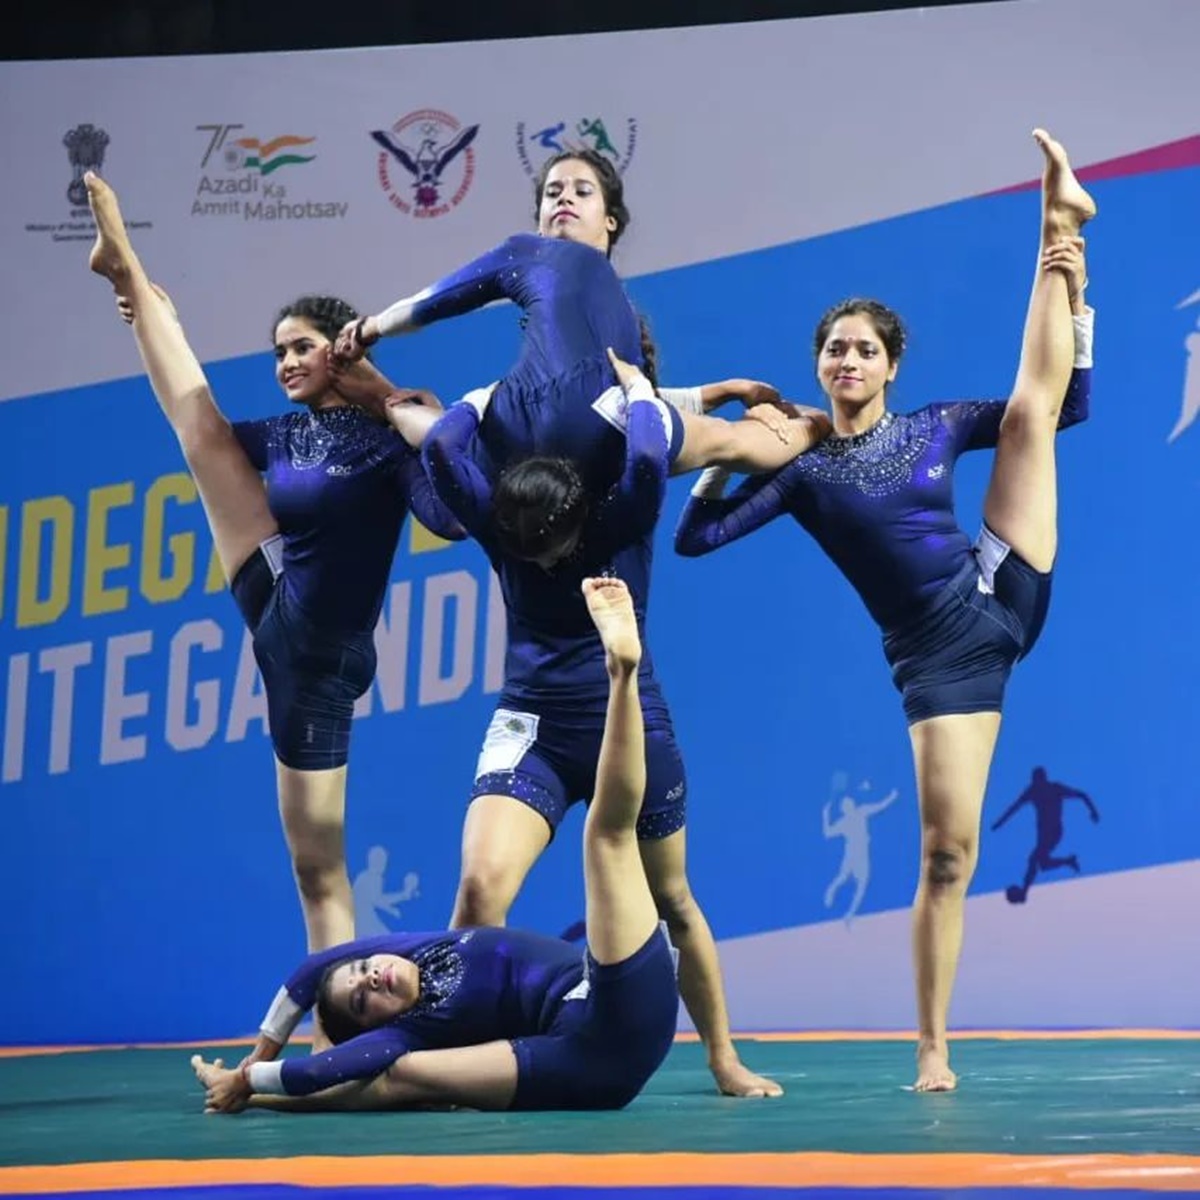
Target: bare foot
<point>735,1079</point>
<point>112,256</point>
<point>1066,206</point>
<point>933,1069</point>
<point>611,609</point>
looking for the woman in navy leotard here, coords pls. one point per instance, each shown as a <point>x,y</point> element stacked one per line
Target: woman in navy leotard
<point>494,1018</point>
<point>878,498</point>
<point>305,510</point>
<point>542,487</point>
<point>560,398</point>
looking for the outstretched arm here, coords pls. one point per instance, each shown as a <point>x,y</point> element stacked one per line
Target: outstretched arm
<point>880,805</point>
<point>978,422</point>
<point>796,427</point>
<point>481,1077</point>
<point>361,1058</point>
<point>1076,794</point>
<point>411,412</point>
<point>828,828</point>
<point>710,519</point>
<point>478,283</point>
<point>1023,798</point>
<point>351,1096</point>
<point>710,396</point>
<point>457,481</point>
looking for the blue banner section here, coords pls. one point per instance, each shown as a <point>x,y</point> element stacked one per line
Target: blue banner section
<point>144,843</point>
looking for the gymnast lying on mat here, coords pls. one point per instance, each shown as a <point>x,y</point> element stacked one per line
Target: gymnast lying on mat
<point>492,1018</point>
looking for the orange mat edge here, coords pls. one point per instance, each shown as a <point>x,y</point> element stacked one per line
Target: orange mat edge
<point>820,1169</point>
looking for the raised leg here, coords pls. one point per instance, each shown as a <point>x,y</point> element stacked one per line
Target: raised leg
<point>620,912</point>
<point>232,491</point>
<point>482,1077</point>
<point>747,446</point>
<point>1021,504</point>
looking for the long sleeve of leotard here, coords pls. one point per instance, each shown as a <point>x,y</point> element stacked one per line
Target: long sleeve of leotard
<point>362,1057</point>
<point>424,502</point>
<point>359,1058</point>
<point>457,482</point>
<point>710,520</point>
<point>977,422</point>
<point>299,993</point>
<point>632,506</point>
<point>470,287</point>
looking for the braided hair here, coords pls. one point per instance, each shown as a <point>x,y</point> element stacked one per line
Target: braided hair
<point>539,504</point>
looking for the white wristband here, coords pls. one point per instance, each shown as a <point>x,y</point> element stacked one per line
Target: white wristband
<point>266,1078</point>
<point>1084,329</point>
<point>686,399</point>
<point>711,484</point>
<point>282,1017</point>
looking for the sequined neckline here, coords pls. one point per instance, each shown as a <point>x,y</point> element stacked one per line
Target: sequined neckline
<point>440,971</point>
<point>337,412</point>
<point>852,440</point>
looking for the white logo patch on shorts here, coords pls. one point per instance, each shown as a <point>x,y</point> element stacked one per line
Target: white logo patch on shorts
<point>613,406</point>
<point>990,551</point>
<point>580,991</point>
<point>272,551</point>
<point>509,735</point>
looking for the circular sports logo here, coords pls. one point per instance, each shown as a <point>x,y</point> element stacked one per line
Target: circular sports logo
<point>426,163</point>
<point>616,140</point>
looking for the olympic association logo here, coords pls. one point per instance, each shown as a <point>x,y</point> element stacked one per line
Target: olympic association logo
<point>426,164</point>
<point>616,140</point>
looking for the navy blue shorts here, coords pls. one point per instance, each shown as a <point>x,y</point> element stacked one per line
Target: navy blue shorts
<point>575,415</point>
<point>601,1049</point>
<point>312,678</point>
<point>957,656</point>
<point>548,761</point>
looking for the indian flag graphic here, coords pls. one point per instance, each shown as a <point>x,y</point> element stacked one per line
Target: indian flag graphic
<point>278,152</point>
